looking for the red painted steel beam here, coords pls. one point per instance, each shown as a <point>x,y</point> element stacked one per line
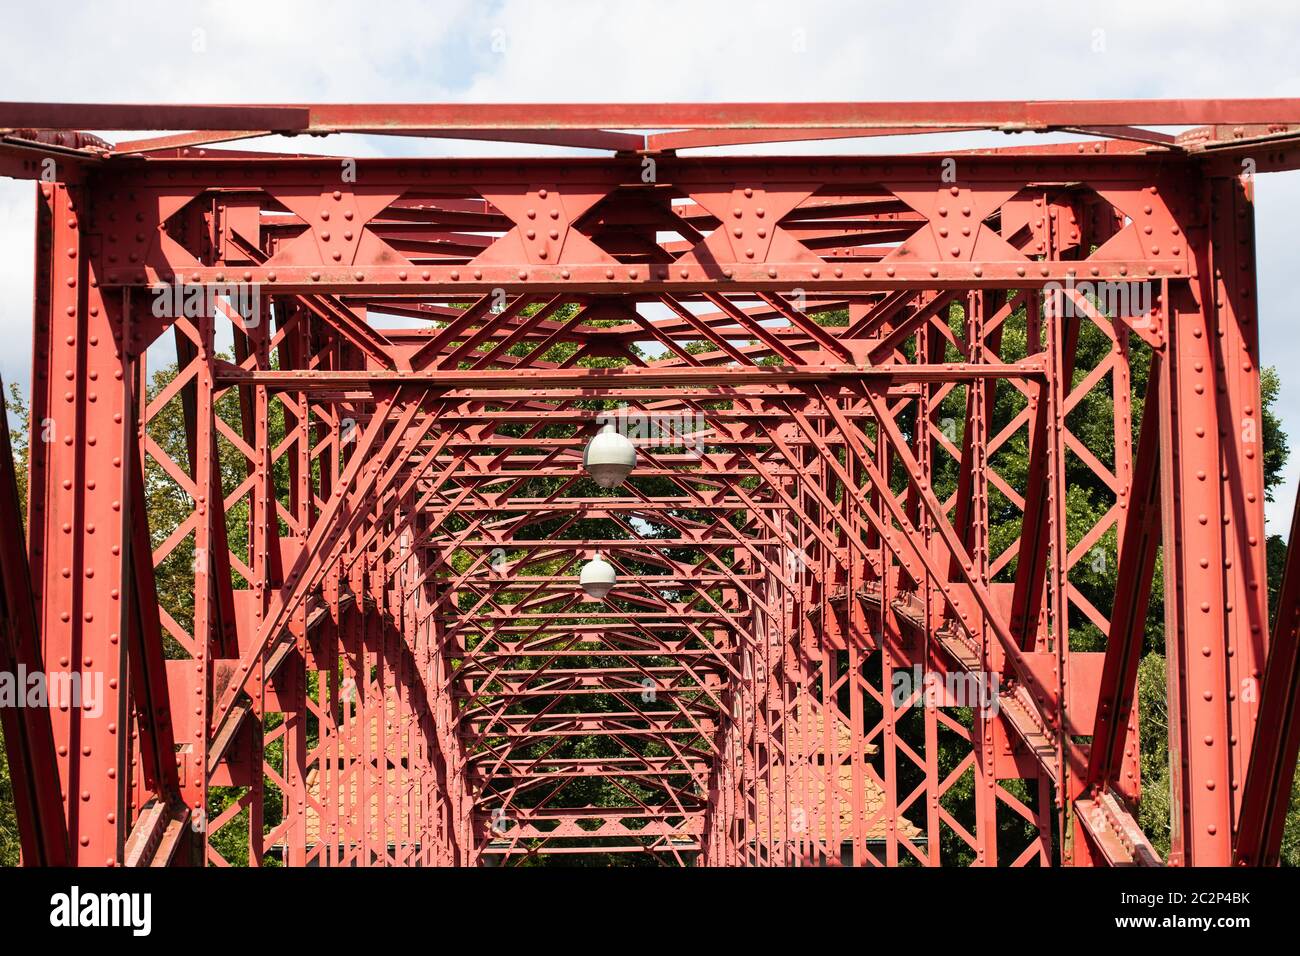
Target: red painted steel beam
<point>599,378</point>
<point>28,736</point>
<point>1266,796</point>
<point>1117,697</point>
<point>576,139</point>
<point>79,532</point>
<point>728,136</point>
<point>1011,115</point>
<point>1113,831</point>
<point>24,158</point>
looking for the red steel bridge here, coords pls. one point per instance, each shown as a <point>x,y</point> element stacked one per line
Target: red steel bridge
<point>328,570</point>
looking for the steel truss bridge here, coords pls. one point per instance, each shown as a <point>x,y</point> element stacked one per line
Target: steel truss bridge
<point>328,569</point>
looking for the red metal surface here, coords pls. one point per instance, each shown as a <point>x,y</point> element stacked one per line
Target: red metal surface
<point>319,117</point>
<point>378,507</point>
<point>43,831</point>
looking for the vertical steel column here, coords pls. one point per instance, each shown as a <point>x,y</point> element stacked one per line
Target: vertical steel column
<point>208,511</point>
<point>973,527</point>
<point>1212,502</point>
<point>928,344</point>
<point>1241,475</point>
<point>33,768</point>
<point>78,538</point>
<point>1061,334</point>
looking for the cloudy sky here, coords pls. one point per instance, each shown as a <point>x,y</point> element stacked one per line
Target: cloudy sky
<point>657,50</point>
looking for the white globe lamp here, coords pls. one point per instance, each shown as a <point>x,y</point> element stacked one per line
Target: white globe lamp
<point>609,457</point>
<point>597,578</point>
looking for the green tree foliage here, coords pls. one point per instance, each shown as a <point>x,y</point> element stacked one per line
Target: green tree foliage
<point>9,849</point>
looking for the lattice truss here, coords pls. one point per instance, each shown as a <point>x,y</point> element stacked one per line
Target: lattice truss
<point>329,559</point>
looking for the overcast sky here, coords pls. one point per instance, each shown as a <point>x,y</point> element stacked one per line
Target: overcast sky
<point>657,50</point>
